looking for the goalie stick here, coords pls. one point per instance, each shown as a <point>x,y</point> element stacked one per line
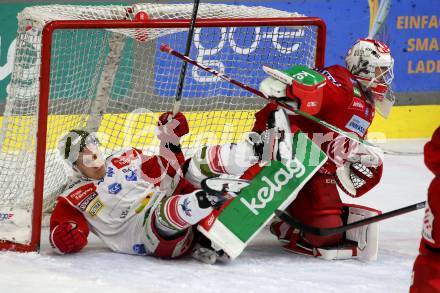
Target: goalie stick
<point>381,16</point>
<point>165,48</point>
<point>182,75</point>
<point>294,223</point>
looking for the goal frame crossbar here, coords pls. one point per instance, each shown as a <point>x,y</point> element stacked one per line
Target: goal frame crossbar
<point>45,72</point>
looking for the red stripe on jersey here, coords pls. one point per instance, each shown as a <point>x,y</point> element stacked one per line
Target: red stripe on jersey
<point>215,161</point>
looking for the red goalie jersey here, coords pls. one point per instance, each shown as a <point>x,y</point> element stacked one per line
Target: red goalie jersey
<point>345,105</point>
<point>426,272</point>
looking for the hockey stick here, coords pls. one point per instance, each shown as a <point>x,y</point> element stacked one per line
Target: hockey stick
<point>294,223</point>
<point>182,75</point>
<point>380,18</point>
<point>165,48</point>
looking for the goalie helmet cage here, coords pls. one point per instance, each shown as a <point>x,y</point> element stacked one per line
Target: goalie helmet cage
<point>100,68</point>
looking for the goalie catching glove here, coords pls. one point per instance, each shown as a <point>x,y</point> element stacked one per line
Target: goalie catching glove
<point>359,174</point>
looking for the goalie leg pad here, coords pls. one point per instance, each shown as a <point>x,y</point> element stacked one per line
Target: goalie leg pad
<point>361,242</point>
<point>274,187</point>
<point>345,250</point>
<point>367,236</point>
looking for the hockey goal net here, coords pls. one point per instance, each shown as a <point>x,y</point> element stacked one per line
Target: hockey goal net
<point>100,68</point>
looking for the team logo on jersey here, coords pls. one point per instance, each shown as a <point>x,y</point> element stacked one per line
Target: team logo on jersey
<point>79,194</point>
<point>330,181</point>
<point>329,76</point>
<point>110,172</point>
<point>357,104</point>
<point>358,125</point>
<point>125,159</point>
<point>131,176</point>
<point>95,208</point>
<point>143,203</point>
<point>185,207</point>
<point>85,203</point>
<point>139,249</point>
<point>356,91</point>
<point>114,188</point>
<point>5,216</point>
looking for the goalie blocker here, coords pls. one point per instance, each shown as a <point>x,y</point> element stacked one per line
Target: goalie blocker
<point>274,187</point>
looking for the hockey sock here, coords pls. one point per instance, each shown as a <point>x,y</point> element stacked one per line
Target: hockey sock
<point>175,214</point>
<point>213,160</point>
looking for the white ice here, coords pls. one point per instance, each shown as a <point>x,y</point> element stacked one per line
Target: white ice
<point>263,266</point>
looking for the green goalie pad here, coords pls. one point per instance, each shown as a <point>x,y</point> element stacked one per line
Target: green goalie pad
<point>274,187</point>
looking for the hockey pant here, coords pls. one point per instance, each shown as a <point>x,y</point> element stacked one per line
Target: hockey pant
<point>318,204</point>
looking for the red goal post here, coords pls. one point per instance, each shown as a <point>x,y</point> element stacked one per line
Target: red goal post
<point>46,77</point>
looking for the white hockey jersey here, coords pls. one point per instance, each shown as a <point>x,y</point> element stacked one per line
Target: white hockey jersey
<point>117,205</point>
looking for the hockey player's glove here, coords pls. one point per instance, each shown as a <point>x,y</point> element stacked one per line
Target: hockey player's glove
<point>67,238</point>
<point>170,129</point>
<point>277,89</point>
<point>273,88</point>
<point>359,174</point>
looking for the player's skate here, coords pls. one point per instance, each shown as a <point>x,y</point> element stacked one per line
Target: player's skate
<point>218,190</point>
<point>205,252</point>
<point>281,230</point>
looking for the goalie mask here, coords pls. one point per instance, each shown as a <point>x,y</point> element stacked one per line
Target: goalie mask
<point>371,63</point>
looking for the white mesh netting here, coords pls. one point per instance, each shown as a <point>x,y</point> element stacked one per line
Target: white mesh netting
<point>117,82</point>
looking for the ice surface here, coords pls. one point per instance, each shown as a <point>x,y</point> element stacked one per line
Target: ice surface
<point>263,267</point>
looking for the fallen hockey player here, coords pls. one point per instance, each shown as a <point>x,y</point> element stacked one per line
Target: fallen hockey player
<point>138,204</point>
